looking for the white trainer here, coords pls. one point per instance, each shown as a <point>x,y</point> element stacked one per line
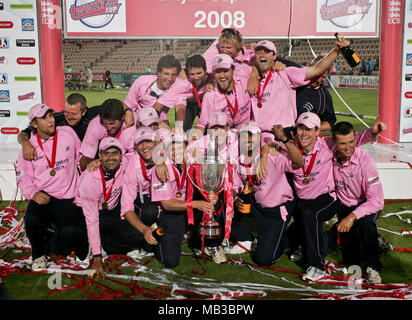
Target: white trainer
<point>39,264</point>
<point>217,254</point>
<point>238,247</point>
<point>373,276</point>
<point>84,264</point>
<point>313,274</point>
<point>137,254</point>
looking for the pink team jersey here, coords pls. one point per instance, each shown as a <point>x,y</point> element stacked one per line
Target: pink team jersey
<point>96,132</point>
<point>358,180</point>
<point>139,95</point>
<point>169,190</point>
<point>90,197</point>
<point>178,93</point>
<point>321,176</point>
<point>243,63</point>
<point>34,175</point>
<point>215,101</point>
<point>135,184</point>
<point>278,98</point>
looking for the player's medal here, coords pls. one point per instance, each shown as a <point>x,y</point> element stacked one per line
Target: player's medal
<point>54,148</point>
<point>306,180</point>
<point>308,170</point>
<point>106,194</point>
<point>180,181</point>
<point>260,94</point>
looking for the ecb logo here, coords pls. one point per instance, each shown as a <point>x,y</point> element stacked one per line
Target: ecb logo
<point>94,14</point>
<point>345,14</point>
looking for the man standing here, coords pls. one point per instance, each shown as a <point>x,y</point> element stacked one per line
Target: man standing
<point>108,79</point>
<point>147,90</point>
<point>49,182</point>
<point>275,101</point>
<point>76,115</point>
<point>99,196</point>
<point>361,200</point>
<point>88,77</point>
<point>230,97</point>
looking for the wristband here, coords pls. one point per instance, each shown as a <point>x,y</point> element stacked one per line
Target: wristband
<point>264,156</point>
<point>97,255</point>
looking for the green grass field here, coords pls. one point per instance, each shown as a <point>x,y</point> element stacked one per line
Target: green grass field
<point>197,277</point>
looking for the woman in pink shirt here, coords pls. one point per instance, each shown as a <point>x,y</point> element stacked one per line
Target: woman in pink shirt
<point>50,182</point>
<point>361,201</point>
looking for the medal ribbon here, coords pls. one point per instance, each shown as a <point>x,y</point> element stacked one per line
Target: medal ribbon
<point>236,108</point>
<point>144,171</point>
<point>311,162</point>
<point>229,201</point>
<point>259,93</point>
<point>54,148</point>
<point>199,103</point>
<point>117,134</point>
<point>107,194</point>
<point>179,181</point>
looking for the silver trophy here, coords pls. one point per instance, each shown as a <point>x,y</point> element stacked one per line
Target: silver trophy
<point>211,179</point>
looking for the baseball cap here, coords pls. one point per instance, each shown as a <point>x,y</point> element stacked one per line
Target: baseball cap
<point>217,119</point>
<point>109,142</point>
<point>142,134</point>
<point>266,44</point>
<point>38,111</point>
<point>147,116</point>
<point>222,61</point>
<point>309,119</point>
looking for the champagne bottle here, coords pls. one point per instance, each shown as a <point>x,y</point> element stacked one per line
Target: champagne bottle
<point>350,56</point>
<point>246,196</point>
<point>158,233</point>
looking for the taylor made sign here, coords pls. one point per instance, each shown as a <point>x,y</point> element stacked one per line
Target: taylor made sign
<point>207,18</point>
<point>359,82</point>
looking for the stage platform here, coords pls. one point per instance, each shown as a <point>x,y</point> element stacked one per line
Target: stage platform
<point>394,162</point>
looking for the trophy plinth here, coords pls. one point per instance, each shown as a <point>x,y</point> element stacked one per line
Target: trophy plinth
<point>210,229</point>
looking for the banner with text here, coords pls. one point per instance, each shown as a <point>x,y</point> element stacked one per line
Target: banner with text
<point>355,82</point>
<point>206,18</point>
<point>405,121</point>
<point>20,86</point>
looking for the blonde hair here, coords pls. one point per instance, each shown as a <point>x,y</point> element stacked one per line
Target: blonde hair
<point>231,35</point>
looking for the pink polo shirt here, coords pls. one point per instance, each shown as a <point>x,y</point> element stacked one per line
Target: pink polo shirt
<point>139,95</point>
<point>90,197</point>
<point>243,63</point>
<point>96,132</point>
<point>215,101</point>
<point>134,184</point>
<point>321,176</point>
<point>279,98</point>
<point>34,175</point>
<point>168,190</point>
<point>358,180</point>
<point>179,93</point>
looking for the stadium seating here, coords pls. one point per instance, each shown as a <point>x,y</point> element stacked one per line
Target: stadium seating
<point>134,56</point>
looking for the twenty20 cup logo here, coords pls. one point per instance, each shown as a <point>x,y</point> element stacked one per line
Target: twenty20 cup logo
<point>345,14</point>
<point>94,14</point>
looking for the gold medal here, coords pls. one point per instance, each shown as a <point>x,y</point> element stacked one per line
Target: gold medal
<point>53,172</point>
<point>104,205</point>
<point>178,194</point>
<point>306,180</point>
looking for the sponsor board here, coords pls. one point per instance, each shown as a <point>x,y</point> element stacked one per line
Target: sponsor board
<point>4,113</point>
<point>408,76</point>
<point>25,42</point>
<point>8,130</point>
<point>360,82</point>
<point>407,112</point>
<point>6,24</point>
<point>409,59</point>
<point>4,96</point>
<point>3,60</point>
<point>4,78</point>
<point>26,60</point>
<point>4,43</point>
<point>27,24</point>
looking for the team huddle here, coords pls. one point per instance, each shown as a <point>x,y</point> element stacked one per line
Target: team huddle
<point>119,179</point>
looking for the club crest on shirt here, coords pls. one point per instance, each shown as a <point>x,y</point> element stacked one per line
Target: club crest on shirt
<point>160,187</point>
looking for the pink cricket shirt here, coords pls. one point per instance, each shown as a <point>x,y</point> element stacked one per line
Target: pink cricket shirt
<point>279,99</point>
<point>168,190</point>
<point>215,101</point>
<point>358,180</point>
<point>178,93</point>
<point>90,197</point>
<point>34,175</point>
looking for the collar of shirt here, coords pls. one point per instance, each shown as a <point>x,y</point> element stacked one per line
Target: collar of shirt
<point>354,159</point>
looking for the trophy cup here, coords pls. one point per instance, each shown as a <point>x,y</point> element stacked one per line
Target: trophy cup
<point>210,180</point>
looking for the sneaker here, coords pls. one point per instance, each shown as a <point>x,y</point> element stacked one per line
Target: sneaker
<point>384,245</point>
<point>84,264</point>
<point>297,256</point>
<point>313,274</point>
<point>253,246</point>
<point>238,247</point>
<point>216,253</point>
<point>39,264</point>
<point>137,254</point>
<point>373,276</point>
